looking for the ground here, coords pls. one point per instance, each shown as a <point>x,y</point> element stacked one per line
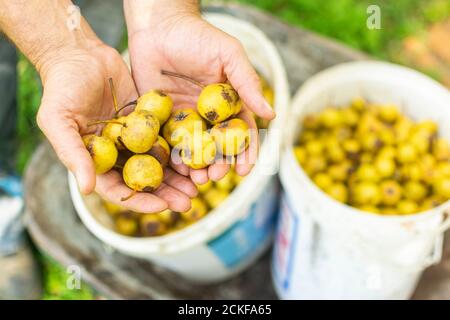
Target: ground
<point>413,32</point>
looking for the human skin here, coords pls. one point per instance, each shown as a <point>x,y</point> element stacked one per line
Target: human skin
<point>171,35</point>
<point>74,66</point>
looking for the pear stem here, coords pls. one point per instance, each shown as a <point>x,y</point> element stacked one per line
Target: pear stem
<point>113,93</point>
<point>128,196</point>
<point>104,121</point>
<point>182,76</point>
<point>123,107</point>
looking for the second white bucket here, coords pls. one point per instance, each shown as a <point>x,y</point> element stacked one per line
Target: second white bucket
<point>326,250</point>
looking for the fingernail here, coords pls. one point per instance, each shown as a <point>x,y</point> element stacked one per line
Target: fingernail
<point>269,109</point>
<point>82,185</point>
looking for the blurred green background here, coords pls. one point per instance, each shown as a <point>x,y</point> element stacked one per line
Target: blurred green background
<point>343,20</point>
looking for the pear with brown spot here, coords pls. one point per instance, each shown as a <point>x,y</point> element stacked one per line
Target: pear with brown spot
<point>232,137</point>
<point>181,124</point>
<point>113,130</point>
<point>103,152</point>
<point>199,151</point>
<point>142,172</point>
<point>139,131</point>
<point>161,151</point>
<point>156,102</point>
<point>126,225</point>
<point>218,102</point>
<point>197,211</point>
<point>151,225</point>
<point>169,217</point>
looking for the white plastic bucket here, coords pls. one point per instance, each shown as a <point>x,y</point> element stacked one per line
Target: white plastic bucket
<point>233,235</point>
<point>326,250</point>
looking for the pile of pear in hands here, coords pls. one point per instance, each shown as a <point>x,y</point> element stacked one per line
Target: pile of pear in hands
<point>211,195</point>
<point>133,143</point>
<point>373,157</point>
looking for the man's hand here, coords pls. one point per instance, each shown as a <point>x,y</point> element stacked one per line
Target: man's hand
<point>74,67</point>
<point>173,36</point>
<point>76,93</point>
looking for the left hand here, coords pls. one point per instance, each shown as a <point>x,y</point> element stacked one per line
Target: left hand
<point>179,40</point>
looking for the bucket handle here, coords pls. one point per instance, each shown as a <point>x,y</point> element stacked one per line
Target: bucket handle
<point>436,255</point>
<point>433,258</point>
<point>445,224</point>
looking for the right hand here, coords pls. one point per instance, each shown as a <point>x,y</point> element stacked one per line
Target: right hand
<point>177,39</point>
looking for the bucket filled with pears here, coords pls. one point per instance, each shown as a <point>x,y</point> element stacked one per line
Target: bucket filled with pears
<point>373,157</point>
<point>366,171</point>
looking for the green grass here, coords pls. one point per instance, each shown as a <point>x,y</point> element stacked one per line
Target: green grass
<point>344,20</point>
<point>29,94</point>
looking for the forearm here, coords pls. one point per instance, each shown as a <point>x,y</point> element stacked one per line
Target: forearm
<point>41,29</point>
<point>142,14</point>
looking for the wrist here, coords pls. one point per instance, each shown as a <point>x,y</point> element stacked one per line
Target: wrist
<point>45,30</point>
<point>62,46</point>
<point>154,14</point>
<point>58,52</point>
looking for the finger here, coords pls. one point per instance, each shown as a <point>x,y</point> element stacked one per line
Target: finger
<point>64,136</point>
<point>247,159</point>
<point>110,187</point>
<point>218,170</point>
<point>199,176</point>
<point>180,168</point>
<point>177,164</point>
<point>245,80</point>
<point>180,183</point>
<point>177,200</point>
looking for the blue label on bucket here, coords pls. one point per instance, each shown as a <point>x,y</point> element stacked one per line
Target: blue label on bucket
<point>245,236</point>
<point>286,239</point>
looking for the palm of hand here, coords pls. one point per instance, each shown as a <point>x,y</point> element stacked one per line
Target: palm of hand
<point>189,48</point>
<point>79,91</point>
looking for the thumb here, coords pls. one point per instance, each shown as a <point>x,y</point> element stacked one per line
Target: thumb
<point>63,134</point>
<point>245,80</point>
